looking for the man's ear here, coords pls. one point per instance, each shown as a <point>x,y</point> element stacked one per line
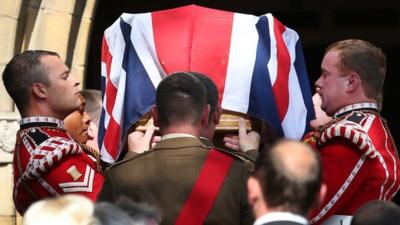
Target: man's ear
<point>39,90</point>
<point>156,120</point>
<point>353,81</point>
<point>205,115</point>
<point>254,192</point>
<point>217,114</point>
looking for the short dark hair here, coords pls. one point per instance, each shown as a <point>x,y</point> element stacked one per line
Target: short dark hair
<point>284,188</point>
<point>211,89</point>
<point>180,97</point>
<point>365,59</point>
<point>93,104</point>
<point>376,213</point>
<point>22,72</point>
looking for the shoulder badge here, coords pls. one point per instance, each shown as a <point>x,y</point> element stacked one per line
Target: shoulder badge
<point>75,174</point>
<point>247,160</point>
<point>86,183</point>
<point>356,117</point>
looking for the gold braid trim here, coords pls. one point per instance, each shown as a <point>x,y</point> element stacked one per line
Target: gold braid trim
<point>90,151</point>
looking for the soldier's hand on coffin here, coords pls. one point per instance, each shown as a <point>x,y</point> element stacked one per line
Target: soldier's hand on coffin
<point>139,142</point>
<point>245,141</point>
<point>232,142</point>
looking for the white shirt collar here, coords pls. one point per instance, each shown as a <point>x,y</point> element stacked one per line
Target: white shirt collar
<point>362,105</point>
<point>279,216</point>
<point>176,135</point>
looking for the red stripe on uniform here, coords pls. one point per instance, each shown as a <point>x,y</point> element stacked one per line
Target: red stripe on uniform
<point>206,188</point>
<point>194,39</point>
<point>281,85</point>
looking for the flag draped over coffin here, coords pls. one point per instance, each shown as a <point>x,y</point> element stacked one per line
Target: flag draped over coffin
<point>256,62</point>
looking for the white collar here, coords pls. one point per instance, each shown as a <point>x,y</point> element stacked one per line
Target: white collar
<point>176,135</point>
<point>279,216</point>
<point>42,119</point>
<point>362,105</point>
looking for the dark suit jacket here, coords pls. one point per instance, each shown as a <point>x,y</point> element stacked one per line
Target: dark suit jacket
<point>164,177</point>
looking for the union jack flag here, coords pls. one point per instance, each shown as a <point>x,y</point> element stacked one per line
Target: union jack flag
<point>256,62</point>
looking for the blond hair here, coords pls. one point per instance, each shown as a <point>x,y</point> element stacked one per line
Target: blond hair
<point>66,210</point>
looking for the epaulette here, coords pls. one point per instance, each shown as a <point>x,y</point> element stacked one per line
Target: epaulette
<point>37,135</point>
<point>128,157</point>
<point>351,129</point>
<point>247,160</point>
<point>356,117</point>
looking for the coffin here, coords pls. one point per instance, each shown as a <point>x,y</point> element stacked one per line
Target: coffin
<point>256,62</point>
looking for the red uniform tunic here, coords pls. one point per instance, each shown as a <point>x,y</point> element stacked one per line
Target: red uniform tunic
<point>359,159</point>
<point>47,162</point>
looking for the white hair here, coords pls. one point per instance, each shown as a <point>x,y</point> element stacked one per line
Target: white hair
<point>66,210</point>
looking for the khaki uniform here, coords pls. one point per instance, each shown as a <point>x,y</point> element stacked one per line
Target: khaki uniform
<point>164,178</point>
<point>251,155</point>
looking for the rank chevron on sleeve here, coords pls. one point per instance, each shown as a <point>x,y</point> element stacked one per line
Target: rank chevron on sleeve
<point>84,186</point>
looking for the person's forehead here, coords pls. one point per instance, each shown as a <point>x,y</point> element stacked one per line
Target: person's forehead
<point>52,62</point>
<point>82,107</point>
<point>50,59</point>
<point>331,60</point>
<point>83,99</point>
<point>73,117</point>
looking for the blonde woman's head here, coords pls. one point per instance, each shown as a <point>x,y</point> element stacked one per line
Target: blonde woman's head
<point>65,210</point>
